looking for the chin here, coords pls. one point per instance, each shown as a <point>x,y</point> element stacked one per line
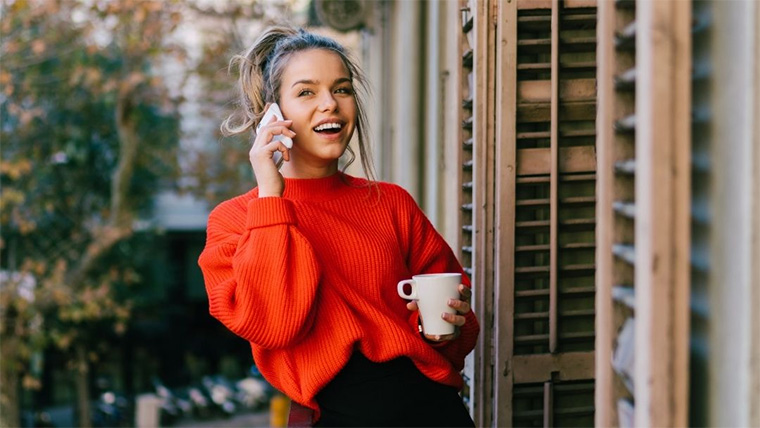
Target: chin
<point>333,155</point>
<point>335,150</point>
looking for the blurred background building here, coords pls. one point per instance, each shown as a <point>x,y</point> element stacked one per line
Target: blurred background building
<point>594,162</point>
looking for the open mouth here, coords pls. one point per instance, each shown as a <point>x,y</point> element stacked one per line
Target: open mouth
<point>329,128</point>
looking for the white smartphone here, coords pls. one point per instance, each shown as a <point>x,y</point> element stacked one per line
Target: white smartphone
<point>274,111</point>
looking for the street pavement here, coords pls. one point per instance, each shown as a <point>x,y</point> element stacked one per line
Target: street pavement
<point>242,420</point>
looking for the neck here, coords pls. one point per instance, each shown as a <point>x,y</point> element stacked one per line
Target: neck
<point>298,170</point>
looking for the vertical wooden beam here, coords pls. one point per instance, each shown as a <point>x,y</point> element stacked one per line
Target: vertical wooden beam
<point>554,178</point>
<point>505,180</point>
<point>663,138</point>
<point>482,201</point>
<point>754,418</point>
<point>548,405</point>
<point>680,170</point>
<point>604,399</point>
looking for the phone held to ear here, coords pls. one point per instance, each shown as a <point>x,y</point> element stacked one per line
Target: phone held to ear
<point>274,111</point>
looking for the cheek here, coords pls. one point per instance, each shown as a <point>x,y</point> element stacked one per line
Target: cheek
<point>300,123</point>
<point>349,109</point>
<point>300,128</point>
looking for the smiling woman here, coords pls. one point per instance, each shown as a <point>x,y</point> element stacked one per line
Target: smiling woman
<point>305,266</point>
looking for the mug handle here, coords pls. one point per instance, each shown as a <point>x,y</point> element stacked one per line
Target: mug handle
<point>400,289</point>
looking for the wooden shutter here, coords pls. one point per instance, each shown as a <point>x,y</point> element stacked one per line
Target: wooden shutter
<point>477,188</point>
<point>545,166</point>
<point>616,212</point>
<point>643,213</point>
<point>467,183</point>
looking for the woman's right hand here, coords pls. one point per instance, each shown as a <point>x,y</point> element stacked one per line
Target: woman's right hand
<point>261,155</point>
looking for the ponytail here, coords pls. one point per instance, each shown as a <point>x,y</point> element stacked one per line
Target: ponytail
<point>255,91</point>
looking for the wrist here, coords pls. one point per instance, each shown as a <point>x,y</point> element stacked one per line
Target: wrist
<point>268,189</point>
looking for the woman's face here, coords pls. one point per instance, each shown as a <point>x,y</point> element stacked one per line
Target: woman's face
<point>316,93</point>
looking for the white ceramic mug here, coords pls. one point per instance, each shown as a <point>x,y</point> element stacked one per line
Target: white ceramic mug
<point>432,293</point>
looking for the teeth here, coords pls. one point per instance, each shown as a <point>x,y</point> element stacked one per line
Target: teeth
<point>325,126</point>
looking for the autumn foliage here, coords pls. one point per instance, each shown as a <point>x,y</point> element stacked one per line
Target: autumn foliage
<point>89,132</point>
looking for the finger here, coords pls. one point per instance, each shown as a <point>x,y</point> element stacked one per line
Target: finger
<point>465,292</point>
<point>277,146</point>
<point>457,320</point>
<point>280,127</point>
<point>461,306</point>
<point>285,151</point>
<point>412,306</point>
<point>275,122</point>
<point>266,133</point>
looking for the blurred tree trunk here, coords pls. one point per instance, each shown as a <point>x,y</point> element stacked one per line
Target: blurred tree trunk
<point>82,373</point>
<point>9,386</point>
<point>118,228</point>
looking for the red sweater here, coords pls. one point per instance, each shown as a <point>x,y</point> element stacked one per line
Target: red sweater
<point>310,277</point>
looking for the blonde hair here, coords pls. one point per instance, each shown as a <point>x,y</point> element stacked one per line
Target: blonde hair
<point>260,75</point>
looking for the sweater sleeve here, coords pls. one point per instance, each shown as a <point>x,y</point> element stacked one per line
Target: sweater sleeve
<point>261,275</point>
<point>428,252</point>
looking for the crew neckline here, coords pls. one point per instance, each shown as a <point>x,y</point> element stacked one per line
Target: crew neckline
<point>316,189</point>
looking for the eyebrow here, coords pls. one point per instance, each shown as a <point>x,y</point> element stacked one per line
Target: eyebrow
<point>314,82</point>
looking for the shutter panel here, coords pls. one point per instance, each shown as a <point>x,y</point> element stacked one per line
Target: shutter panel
<point>468,141</point>
<point>545,209</point>
<point>643,213</point>
<point>477,188</point>
<point>466,145</point>
<point>616,213</point>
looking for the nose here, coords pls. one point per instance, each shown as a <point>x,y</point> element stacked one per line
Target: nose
<point>327,102</point>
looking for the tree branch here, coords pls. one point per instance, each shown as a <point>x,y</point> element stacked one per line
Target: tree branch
<point>129,142</point>
<point>119,225</point>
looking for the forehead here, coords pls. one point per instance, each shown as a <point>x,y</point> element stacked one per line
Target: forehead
<point>317,65</point>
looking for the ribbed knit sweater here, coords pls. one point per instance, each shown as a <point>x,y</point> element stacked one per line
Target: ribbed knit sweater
<point>310,277</point>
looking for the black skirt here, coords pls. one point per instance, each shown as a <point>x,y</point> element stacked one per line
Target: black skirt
<point>391,394</point>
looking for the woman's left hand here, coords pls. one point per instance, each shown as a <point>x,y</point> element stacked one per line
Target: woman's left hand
<point>461,305</point>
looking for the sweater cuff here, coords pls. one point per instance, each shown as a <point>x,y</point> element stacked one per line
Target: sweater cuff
<point>269,211</point>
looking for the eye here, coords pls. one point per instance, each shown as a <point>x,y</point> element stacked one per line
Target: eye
<point>305,92</point>
<point>345,90</point>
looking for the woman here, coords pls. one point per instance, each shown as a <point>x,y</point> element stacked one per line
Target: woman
<point>305,265</point>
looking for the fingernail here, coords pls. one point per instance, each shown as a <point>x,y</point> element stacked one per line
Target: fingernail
<point>451,302</point>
